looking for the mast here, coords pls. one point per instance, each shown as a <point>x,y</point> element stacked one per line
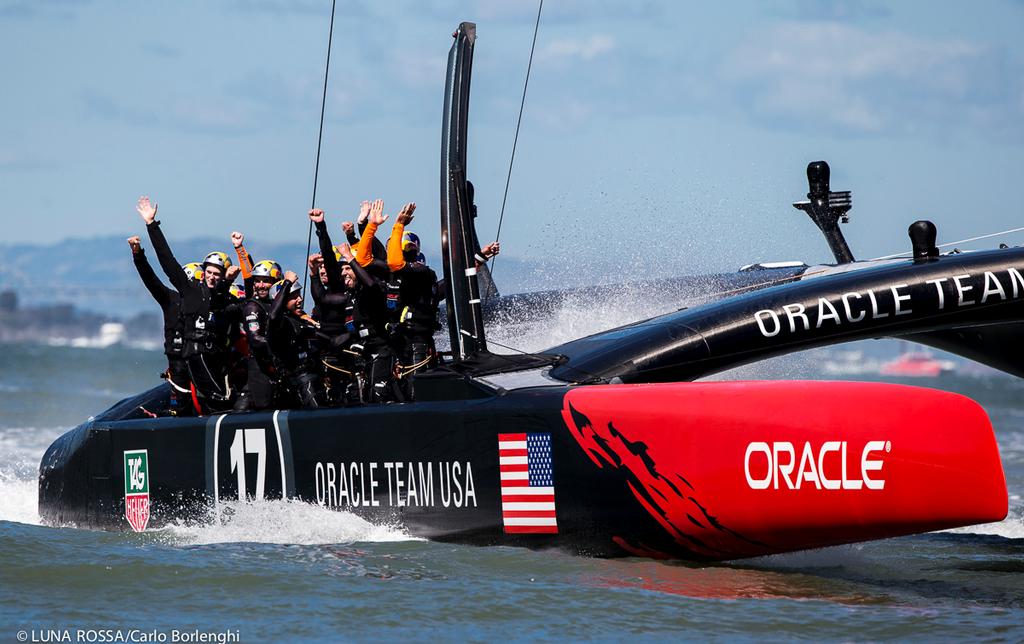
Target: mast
<point>458,235</point>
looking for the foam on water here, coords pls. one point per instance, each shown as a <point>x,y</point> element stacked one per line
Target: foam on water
<point>19,500</point>
<point>283,522</point>
<point>21,449</point>
<point>1012,527</point>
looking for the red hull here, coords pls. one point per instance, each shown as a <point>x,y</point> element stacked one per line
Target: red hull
<point>734,469</point>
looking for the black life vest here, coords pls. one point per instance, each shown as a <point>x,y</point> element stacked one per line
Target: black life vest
<point>207,327</point>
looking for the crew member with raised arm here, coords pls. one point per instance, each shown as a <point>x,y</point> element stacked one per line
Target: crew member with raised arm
<point>261,373</point>
<point>362,304</point>
<point>292,339</point>
<point>342,379</point>
<point>413,296</point>
<point>208,312</point>
<point>174,338</point>
<point>412,300</point>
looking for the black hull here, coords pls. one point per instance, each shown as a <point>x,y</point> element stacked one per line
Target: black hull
<point>662,470</point>
<point>450,446</point>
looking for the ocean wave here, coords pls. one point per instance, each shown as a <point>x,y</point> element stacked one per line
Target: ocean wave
<point>282,522</point>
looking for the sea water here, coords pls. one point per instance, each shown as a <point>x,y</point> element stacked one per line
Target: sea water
<point>287,571</point>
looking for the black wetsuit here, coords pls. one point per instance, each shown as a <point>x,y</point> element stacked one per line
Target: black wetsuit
<point>413,302</point>
<point>331,299</point>
<point>342,369</point>
<point>208,316</point>
<point>174,337</point>
<point>362,312</point>
<point>260,369</point>
<point>293,342</point>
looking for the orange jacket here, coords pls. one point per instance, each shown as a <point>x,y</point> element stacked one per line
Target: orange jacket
<point>396,259</point>
<point>364,247</point>
<point>244,262</point>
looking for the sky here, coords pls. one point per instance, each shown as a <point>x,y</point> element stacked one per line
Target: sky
<point>657,137</point>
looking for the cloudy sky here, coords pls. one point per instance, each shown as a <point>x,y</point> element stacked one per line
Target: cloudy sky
<point>671,136</point>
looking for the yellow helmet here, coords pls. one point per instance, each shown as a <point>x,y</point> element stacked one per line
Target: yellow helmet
<point>194,270</point>
<point>410,240</point>
<point>237,291</point>
<point>267,268</point>
<point>218,258</point>
<point>337,254</point>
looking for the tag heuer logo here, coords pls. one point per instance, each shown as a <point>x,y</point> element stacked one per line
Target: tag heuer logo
<point>136,488</point>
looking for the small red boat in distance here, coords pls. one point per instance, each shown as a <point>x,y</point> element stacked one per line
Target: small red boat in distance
<point>917,364</point>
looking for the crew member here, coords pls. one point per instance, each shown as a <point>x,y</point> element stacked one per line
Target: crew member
<point>208,313</point>
<point>259,389</point>
<point>174,338</point>
<point>412,299</point>
<point>362,304</point>
<point>292,340</point>
<point>413,296</point>
<point>343,378</point>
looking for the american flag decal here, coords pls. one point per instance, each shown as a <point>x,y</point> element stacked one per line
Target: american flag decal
<point>527,483</point>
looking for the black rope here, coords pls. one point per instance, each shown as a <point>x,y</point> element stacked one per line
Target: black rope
<point>519,121</point>
<point>319,141</point>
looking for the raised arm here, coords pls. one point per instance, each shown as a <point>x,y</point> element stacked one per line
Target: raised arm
<point>316,287</point>
<point>334,281</point>
<point>364,249</point>
<point>245,262</point>
<point>153,284</point>
<point>364,216</point>
<point>396,258</point>
<point>278,308</point>
<point>170,265</point>
<point>349,229</point>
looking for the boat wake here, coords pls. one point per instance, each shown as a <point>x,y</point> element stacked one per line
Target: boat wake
<point>1012,527</point>
<point>19,499</point>
<point>21,449</point>
<point>282,522</point>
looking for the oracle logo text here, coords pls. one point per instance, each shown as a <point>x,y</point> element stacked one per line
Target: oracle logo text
<point>777,465</point>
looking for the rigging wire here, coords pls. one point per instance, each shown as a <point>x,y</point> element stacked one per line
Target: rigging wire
<point>319,141</point>
<point>519,121</point>
<point>962,241</point>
